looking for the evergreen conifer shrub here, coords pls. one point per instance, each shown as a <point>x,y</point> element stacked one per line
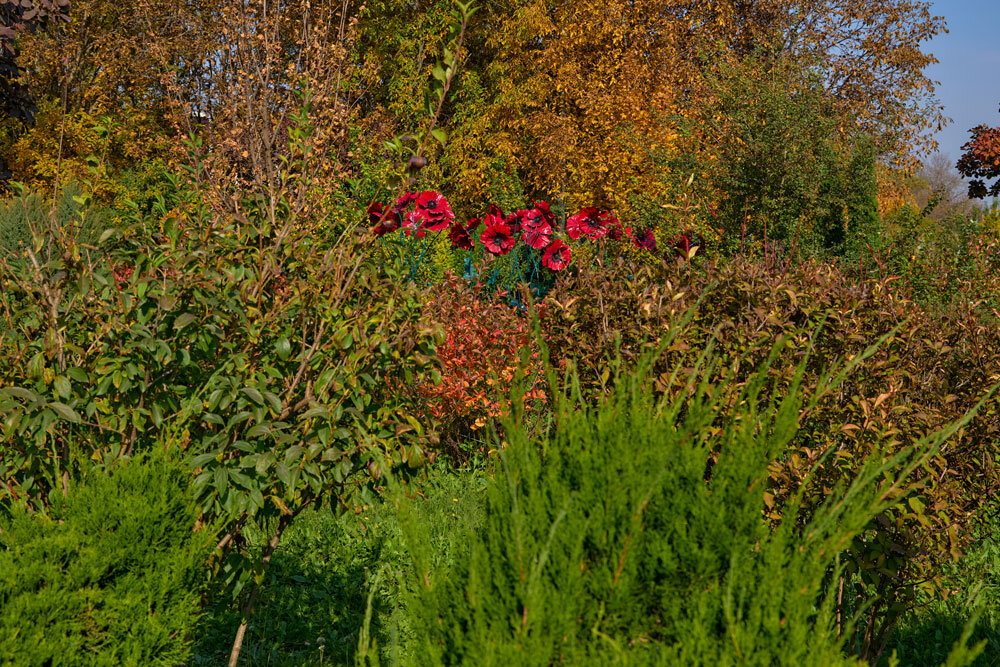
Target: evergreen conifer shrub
<point>636,532</point>
<point>112,576</point>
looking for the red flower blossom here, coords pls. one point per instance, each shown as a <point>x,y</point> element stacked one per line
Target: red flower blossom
<point>384,221</point>
<point>608,219</point>
<point>413,224</point>
<point>645,239</point>
<point>536,240</point>
<point>618,232</point>
<point>404,201</point>
<point>589,222</point>
<point>547,213</point>
<point>682,244</point>
<point>535,228</point>
<point>494,216</point>
<point>459,234</point>
<point>579,225</point>
<point>514,222</point>
<point>435,211</point>
<point>497,238</point>
<point>556,256</point>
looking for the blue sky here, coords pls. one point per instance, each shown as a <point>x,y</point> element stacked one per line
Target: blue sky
<point>969,70</point>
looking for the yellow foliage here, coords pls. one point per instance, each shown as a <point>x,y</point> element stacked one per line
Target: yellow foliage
<point>894,191</point>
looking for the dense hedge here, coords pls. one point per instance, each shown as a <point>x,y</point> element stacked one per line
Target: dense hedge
<point>930,369</point>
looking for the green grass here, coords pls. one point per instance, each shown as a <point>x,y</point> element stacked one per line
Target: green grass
<point>926,636</point>
<point>313,602</point>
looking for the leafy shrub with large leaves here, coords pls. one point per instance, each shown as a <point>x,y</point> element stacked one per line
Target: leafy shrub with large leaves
<point>932,368</point>
<point>278,364</point>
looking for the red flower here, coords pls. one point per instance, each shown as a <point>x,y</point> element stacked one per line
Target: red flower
<point>547,213</point>
<point>578,225</point>
<point>618,232</point>
<point>645,239</point>
<point>556,256</point>
<point>536,240</point>
<point>682,243</point>
<point>413,224</point>
<point>588,222</point>
<point>497,238</point>
<point>608,219</point>
<point>459,234</point>
<point>404,201</point>
<point>494,216</point>
<point>535,228</point>
<point>435,210</point>
<point>384,221</point>
<point>514,222</point>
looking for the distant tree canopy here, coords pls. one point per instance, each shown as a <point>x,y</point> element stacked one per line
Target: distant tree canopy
<point>981,162</point>
<point>586,103</point>
<point>16,18</point>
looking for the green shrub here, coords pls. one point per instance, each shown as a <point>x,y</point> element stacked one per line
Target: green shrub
<point>933,368</point>
<point>336,568</point>
<point>279,364</point>
<point>112,576</point>
<point>925,636</point>
<point>636,533</point>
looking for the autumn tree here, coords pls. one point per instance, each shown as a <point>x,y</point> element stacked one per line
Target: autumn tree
<point>19,17</point>
<point>981,162</point>
<point>871,54</point>
<point>100,80</point>
<point>593,102</point>
<point>579,102</point>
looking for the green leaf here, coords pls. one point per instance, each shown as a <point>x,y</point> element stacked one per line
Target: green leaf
<point>254,395</point>
<point>183,320</point>
<point>77,374</point>
<point>221,479</point>
<point>259,430</point>
<point>283,348</point>
<point>293,454</point>
<point>64,411</point>
<point>440,135</point>
<point>256,498</point>
<point>63,386</point>
<point>283,474</point>
<point>274,401</point>
<point>241,479</point>
<point>202,459</point>
<point>263,463</point>
<point>20,392</point>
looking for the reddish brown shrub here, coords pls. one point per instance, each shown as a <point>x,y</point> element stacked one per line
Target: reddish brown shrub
<point>484,341</point>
